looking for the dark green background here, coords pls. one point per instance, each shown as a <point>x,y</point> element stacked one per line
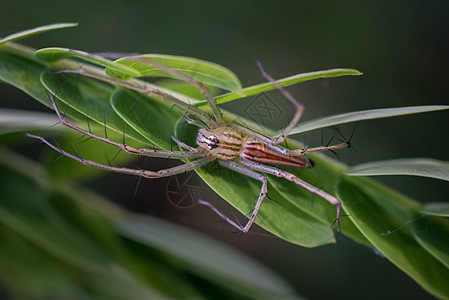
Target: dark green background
<point>401,46</point>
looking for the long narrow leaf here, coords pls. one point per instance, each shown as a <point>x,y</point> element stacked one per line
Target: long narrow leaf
<point>424,167</point>
<point>14,119</point>
<point>362,116</point>
<point>288,81</point>
<point>33,31</point>
<point>226,267</point>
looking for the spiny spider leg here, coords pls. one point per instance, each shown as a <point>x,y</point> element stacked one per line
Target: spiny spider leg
<point>305,151</point>
<point>235,166</point>
<point>143,173</point>
<point>144,88</point>
<point>124,147</point>
<point>297,152</point>
<point>191,121</point>
<point>343,145</point>
<point>220,214</point>
<point>185,146</point>
<point>192,81</point>
<point>299,107</point>
<point>290,177</point>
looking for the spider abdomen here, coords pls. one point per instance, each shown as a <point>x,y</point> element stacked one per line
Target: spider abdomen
<point>261,153</point>
<point>222,143</point>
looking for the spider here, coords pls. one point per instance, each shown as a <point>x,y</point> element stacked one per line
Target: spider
<point>233,145</point>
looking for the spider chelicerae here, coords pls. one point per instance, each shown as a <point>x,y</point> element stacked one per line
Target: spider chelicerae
<point>233,145</point>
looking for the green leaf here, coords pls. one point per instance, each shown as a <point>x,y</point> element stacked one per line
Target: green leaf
<point>208,259</point>
<point>282,218</point>
<point>361,116</point>
<point>436,209</point>
<point>432,234</point>
<point>14,120</point>
<point>409,166</point>
<point>37,30</point>
<point>205,72</point>
<point>268,86</point>
<point>90,98</point>
<point>28,218</point>
<point>24,74</point>
<point>55,54</point>
<point>384,217</point>
<point>149,116</point>
<point>71,230</point>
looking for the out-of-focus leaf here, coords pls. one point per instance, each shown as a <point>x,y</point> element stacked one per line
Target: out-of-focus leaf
<point>436,209</point>
<point>221,264</point>
<point>382,216</point>
<point>432,234</point>
<point>23,74</point>
<point>13,120</point>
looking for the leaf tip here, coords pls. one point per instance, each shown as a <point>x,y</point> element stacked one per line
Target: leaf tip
<point>356,72</point>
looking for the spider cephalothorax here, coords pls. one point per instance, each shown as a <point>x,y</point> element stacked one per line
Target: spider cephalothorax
<point>223,142</point>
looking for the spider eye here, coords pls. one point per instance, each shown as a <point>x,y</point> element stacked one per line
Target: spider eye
<point>212,142</point>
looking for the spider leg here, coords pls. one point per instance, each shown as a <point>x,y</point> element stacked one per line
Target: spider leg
<point>268,142</point>
<point>146,89</point>
<point>192,81</point>
<point>191,121</point>
<point>143,173</point>
<point>185,146</point>
<point>299,107</point>
<point>305,151</point>
<point>263,192</point>
<point>290,177</point>
<point>123,146</point>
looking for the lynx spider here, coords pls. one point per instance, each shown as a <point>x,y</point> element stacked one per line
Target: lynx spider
<point>233,145</point>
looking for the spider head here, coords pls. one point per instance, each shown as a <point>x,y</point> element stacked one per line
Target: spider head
<point>222,142</point>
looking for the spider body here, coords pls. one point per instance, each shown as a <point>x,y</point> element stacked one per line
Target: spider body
<point>226,142</point>
<point>223,142</point>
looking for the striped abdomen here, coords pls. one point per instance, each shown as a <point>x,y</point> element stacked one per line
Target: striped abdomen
<point>261,153</point>
<point>222,143</point>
